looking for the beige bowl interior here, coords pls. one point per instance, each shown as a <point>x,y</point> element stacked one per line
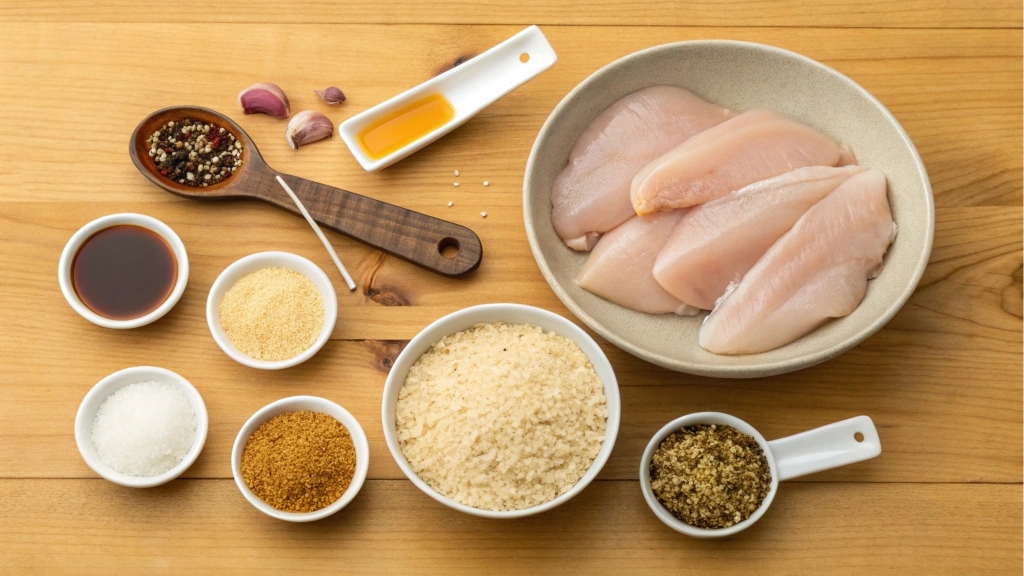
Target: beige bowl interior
<point>741,76</point>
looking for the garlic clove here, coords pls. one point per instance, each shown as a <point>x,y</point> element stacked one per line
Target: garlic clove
<point>331,95</point>
<point>265,98</point>
<point>307,127</point>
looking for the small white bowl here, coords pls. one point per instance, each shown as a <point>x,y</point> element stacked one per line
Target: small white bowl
<point>252,263</point>
<point>299,404</point>
<point>510,314</point>
<point>113,383</point>
<point>67,258</point>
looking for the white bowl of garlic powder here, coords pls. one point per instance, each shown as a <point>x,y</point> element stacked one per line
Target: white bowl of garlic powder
<point>284,303</point>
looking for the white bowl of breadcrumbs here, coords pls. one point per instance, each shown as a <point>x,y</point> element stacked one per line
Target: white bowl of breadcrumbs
<point>501,410</point>
<point>271,310</point>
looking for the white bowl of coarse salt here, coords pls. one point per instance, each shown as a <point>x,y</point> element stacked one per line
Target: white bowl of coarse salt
<point>272,310</point>
<point>512,410</point>
<point>141,427</point>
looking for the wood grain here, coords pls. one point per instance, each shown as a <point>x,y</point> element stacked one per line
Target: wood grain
<point>910,377</point>
<point>942,380</point>
<point>781,13</point>
<point>957,93</point>
<point>202,526</point>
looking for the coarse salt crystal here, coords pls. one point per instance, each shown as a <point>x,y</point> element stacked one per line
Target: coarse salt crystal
<point>456,172</point>
<point>486,183</point>
<point>144,429</point>
<point>450,203</point>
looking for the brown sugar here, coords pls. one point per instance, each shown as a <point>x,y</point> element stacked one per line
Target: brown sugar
<point>710,476</point>
<point>299,461</point>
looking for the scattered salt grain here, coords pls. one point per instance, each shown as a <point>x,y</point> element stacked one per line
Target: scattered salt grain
<point>456,184</point>
<point>483,214</point>
<point>456,172</point>
<point>486,183</point>
<point>144,429</point>
<point>450,203</point>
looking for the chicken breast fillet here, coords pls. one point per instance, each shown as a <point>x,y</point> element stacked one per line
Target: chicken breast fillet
<point>751,147</point>
<point>716,243</point>
<point>817,271</point>
<point>591,194</point>
<point>619,267</point>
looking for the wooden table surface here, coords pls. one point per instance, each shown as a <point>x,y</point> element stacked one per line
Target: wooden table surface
<point>942,381</point>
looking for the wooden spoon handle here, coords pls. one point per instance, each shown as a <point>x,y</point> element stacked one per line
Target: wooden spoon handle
<point>435,244</point>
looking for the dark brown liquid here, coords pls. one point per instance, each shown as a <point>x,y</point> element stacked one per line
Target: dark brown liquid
<point>124,272</point>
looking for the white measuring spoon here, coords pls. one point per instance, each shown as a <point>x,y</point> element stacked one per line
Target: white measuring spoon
<point>469,88</point>
<point>808,452</point>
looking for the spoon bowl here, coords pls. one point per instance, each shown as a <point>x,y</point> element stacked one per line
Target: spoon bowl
<point>437,245</point>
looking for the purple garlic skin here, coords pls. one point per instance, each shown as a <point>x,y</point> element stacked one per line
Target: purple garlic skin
<point>331,95</point>
<point>307,127</point>
<point>264,98</point>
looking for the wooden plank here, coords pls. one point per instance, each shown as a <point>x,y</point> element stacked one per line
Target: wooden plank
<point>957,93</point>
<point>94,527</point>
<point>946,369</point>
<point>933,427</point>
<point>830,13</point>
<point>971,277</point>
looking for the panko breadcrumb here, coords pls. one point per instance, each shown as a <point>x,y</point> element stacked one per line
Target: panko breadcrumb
<point>502,416</point>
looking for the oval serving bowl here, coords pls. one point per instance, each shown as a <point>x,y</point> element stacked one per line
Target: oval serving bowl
<point>510,314</point>
<point>740,76</point>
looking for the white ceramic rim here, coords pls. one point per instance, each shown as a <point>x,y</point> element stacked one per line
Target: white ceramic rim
<point>295,404</point>
<point>227,279</point>
<point>67,257</point>
<point>114,382</point>
<point>704,418</point>
<point>750,371</point>
<point>500,312</point>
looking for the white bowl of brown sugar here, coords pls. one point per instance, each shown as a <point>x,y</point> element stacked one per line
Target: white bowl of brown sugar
<point>300,458</point>
<point>271,310</point>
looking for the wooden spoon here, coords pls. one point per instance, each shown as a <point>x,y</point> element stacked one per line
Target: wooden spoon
<point>435,244</point>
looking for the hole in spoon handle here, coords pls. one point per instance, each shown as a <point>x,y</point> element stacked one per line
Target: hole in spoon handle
<point>412,236</point>
<point>824,448</point>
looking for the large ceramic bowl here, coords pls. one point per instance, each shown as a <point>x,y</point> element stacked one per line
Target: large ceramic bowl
<point>741,76</point>
<point>509,314</point>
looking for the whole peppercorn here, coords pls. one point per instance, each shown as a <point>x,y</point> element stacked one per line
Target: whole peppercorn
<point>182,149</point>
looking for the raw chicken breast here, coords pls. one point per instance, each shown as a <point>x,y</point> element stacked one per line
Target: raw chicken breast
<point>619,268</point>
<point>751,147</point>
<point>716,243</point>
<point>816,271</point>
<point>591,194</point>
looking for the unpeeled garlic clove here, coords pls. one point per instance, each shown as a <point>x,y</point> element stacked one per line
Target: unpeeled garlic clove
<point>307,127</point>
<point>265,98</point>
<point>331,95</point>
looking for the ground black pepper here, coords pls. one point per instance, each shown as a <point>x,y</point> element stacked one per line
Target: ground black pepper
<point>195,153</point>
<point>710,476</point>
